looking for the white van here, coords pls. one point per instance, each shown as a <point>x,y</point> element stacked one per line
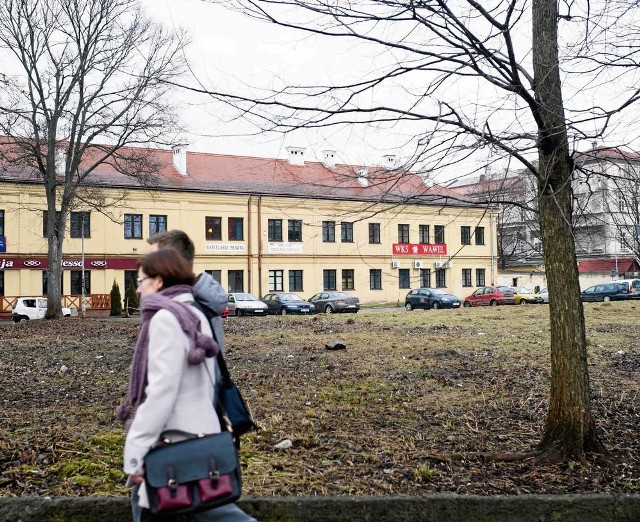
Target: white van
<point>33,308</point>
<point>633,284</point>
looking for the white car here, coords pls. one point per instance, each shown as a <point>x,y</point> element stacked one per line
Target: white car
<point>544,293</point>
<point>243,303</point>
<point>33,308</point>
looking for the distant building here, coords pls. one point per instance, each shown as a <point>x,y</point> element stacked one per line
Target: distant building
<point>259,225</point>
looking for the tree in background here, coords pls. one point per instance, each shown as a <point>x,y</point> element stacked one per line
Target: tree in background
<point>468,79</point>
<point>116,300</point>
<point>131,300</point>
<point>82,79</point>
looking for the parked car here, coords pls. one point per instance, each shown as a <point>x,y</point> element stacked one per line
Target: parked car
<point>544,293</point>
<point>430,298</point>
<point>243,303</point>
<point>26,308</point>
<point>330,302</point>
<point>605,293</point>
<point>284,303</point>
<point>633,285</point>
<point>490,296</point>
<point>524,296</point>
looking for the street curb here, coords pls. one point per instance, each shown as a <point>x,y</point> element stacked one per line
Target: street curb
<point>427,508</point>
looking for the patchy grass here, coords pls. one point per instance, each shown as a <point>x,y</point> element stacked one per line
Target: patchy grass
<point>380,417</point>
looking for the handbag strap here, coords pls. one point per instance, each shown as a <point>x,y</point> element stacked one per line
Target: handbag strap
<point>224,371</point>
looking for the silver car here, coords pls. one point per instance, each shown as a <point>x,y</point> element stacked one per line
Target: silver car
<point>243,303</point>
<point>330,302</point>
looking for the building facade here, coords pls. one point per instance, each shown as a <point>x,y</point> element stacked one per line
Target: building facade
<point>259,225</point>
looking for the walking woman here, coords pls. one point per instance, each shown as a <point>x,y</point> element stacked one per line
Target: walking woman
<point>171,384</point>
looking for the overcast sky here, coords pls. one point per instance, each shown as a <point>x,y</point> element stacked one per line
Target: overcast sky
<point>228,47</point>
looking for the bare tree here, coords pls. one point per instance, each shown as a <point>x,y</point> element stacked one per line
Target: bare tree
<point>469,77</point>
<point>84,79</point>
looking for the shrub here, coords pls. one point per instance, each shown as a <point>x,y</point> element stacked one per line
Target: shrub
<point>116,300</point>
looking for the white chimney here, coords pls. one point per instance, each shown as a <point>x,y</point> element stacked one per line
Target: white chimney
<point>329,158</point>
<point>362,175</point>
<point>61,161</point>
<point>389,161</point>
<point>180,158</point>
<point>296,155</point>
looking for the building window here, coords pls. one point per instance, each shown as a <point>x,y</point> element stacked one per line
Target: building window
<point>346,232</point>
<point>157,224</point>
<point>404,279</point>
<point>438,231</point>
<point>466,277</point>
<point>295,281</point>
<point>213,228</point>
<point>621,201</point>
<point>328,231</point>
<point>80,224</point>
<point>479,235</point>
<point>423,233</point>
<point>216,274</point>
<point>236,280</point>
<point>133,226</point>
<point>374,233</point>
<point>2,283</point>
<point>480,277</point>
<point>129,280</point>
<point>76,282</point>
<point>45,286</point>
<point>274,230</point>
<point>45,216</point>
<point>236,232</point>
<point>441,278</point>
<point>1,222</point>
<point>348,279</point>
<point>403,234</point>
<point>375,279</point>
<point>425,277</point>
<point>465,236</point>
<point>294,230</point>
<point>276,280</point>
<point>328,279</point>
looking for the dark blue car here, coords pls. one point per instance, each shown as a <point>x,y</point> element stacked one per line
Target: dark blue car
<point>430,298</point>
<point>284,303</point>
<point>605,293</point>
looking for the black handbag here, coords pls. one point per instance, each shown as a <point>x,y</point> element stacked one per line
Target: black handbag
<point>193,475</point>
<point>231,404</point>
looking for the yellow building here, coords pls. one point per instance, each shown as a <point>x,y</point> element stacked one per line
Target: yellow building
<point>258,225</point>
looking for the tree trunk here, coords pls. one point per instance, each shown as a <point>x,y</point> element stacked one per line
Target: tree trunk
<point>570,428</point>
<point>55,237</point>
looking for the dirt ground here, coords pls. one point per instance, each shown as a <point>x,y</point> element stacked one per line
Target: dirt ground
<point>384,416</point>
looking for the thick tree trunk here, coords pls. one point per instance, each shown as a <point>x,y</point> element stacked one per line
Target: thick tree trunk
<point>570,428</point>
<point>55,236</point>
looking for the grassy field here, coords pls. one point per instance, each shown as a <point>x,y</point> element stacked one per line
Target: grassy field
<point>384,416</point>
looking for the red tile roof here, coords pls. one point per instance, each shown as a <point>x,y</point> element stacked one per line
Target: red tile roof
<point>218,173</point>
<point>622,265</point>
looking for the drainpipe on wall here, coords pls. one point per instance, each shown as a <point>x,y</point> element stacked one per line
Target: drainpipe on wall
<point>493,277</point>
<point>260,245</point>
<point>249,263</point>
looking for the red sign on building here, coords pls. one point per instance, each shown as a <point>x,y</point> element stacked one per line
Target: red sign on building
<point>68,263</point>
<point>426,249</point>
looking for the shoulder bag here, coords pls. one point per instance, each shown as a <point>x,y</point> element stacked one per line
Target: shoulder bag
<point>192,475</point>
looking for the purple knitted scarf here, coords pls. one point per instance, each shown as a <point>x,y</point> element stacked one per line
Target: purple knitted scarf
<point>201,345</point>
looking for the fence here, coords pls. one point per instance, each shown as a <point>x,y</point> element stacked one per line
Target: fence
<point>97,303</point>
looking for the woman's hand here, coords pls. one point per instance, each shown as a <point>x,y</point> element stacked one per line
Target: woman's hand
<point>136,479</point>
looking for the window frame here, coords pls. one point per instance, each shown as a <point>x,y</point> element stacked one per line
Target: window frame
<point>155,223</point>
<point>481,281</point>
<point>213,228</point>
<point>374,234</point>
<point>425,277</point>
<point>76,282</point>
<point>375,279</point>
<point>346,232</point>
<point>439,235</point>
<point>348,279</point>
<point>422,236</point>
<point>466,277</point>
<point>76,228</point>
<point>441,278</point>
<point>328,231</point>
<point>296,280</point>
<point>404,278</point>
<point>479,235</point>
<point>274,230</point>
<point>1,222</point>
<point>403,233</point>
<point>235,231</point>
<point>329,280</point>
<point>276,280</point>
<point>233,278</point>
<point>130,223</point>
<point>294,230</point>
<point>465,235</point>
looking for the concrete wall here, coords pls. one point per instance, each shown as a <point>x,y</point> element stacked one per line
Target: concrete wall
<point>428,508</point>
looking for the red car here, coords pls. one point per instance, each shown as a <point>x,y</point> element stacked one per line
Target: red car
<point>490,296</point>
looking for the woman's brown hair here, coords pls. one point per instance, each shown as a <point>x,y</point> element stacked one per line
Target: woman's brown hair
<point>170,266</point>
